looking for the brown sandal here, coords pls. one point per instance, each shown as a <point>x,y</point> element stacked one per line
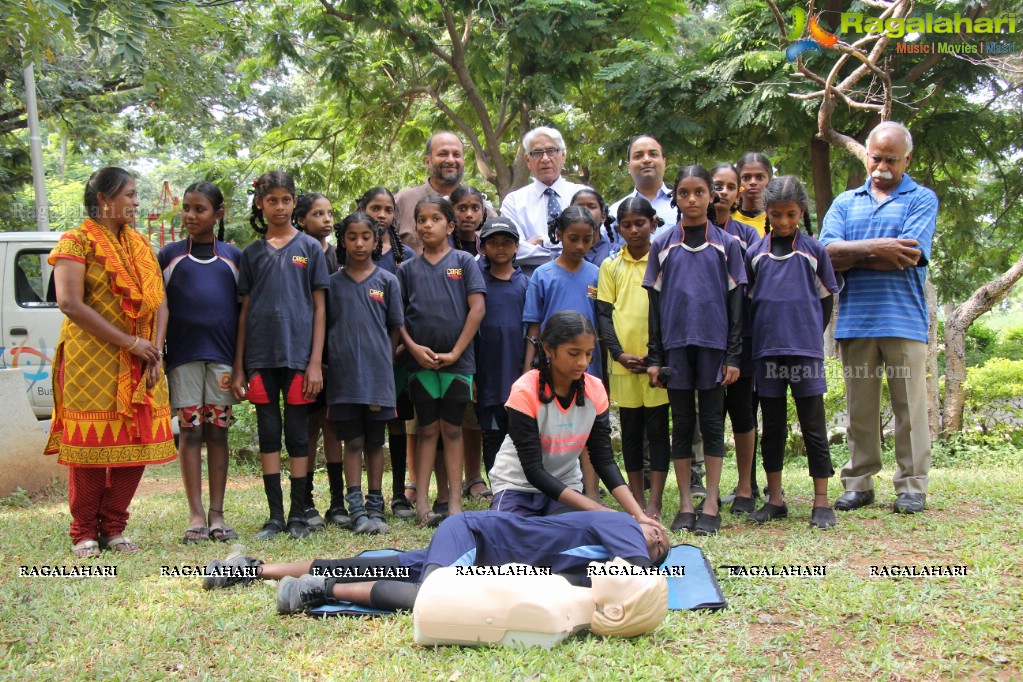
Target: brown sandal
<point>86,549</point>
<point>118,543</point>
<point>431,519</point>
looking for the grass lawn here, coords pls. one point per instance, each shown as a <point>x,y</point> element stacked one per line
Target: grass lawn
<point>846,625</point>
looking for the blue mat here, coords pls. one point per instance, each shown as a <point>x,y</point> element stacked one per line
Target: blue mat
<point>697,589</point>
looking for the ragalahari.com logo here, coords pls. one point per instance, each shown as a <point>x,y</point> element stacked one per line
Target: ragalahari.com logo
<point>818,36</point>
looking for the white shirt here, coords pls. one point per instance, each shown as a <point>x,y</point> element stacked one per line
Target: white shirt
<point>661,204</point>
<point>527,208</point>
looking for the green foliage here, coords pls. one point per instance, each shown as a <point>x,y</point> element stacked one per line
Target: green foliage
<point>990,450</point>
<point>1010,343</point>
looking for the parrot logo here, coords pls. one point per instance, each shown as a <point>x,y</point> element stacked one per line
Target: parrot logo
<point>818,36</point>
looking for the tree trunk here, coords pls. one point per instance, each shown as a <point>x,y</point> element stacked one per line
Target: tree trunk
<point>982,300</point>
<point>933,393</point>
<point>830,346</point>
<point>820,163</point>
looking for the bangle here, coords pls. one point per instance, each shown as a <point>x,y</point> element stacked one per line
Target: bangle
<point>132,346</point>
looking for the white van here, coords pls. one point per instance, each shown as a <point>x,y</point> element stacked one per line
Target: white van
<point>29,317</point>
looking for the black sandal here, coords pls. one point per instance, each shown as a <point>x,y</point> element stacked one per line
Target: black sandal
<point>467,493</point>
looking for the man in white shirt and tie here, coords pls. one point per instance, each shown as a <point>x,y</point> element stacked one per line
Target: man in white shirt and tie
<point>534,205</point>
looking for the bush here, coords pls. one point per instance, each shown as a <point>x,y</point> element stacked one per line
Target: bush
<point>1010,344</point>
<point>981,341</point>
<point>994,399</point>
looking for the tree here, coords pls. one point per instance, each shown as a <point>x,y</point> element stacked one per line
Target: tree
<point>487,68</point>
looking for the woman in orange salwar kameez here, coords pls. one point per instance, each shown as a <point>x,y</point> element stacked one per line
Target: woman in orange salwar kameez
<point>111,415</point>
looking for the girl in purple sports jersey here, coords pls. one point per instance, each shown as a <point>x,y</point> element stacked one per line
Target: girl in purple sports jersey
<point>791,286</point>
<point>738,396</point>
<point>694,278</point>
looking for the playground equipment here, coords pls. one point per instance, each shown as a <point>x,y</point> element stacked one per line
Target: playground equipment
<point>158,214</point>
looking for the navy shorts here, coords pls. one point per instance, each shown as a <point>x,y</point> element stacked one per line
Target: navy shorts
<point>360,421</point>
<point>527,504</point>
<point>804,375</point>
<point>695,368</point>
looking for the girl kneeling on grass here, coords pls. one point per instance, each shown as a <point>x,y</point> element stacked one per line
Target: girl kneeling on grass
<point>791,284</point>
<point>363,318</point>
<point>554,412</point>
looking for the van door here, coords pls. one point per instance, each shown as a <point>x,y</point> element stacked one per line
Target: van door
<point>31,320</point>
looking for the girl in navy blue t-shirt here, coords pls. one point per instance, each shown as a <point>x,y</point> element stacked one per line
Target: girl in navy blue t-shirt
<point>280,343</point>
<point>200,274</point>
<point>363,318</point>
<point>470,210</point>
<point>791,286</point>
<point>378,203</point>
<point>501,348</point>
<point>694,278</point>
<point>314,215</point>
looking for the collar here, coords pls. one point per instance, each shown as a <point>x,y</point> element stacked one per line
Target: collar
<point>662,193</point>
<point>626,255</point>
<point>430,190</point>
<point>907,185</point>
<point>559,186</point>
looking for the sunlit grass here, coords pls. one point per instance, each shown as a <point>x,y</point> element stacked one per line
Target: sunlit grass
<point>846,625</point>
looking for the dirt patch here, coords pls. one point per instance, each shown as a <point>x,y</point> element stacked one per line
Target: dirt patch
<point>163,486</point>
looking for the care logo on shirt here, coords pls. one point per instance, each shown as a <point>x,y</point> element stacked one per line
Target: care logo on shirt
<point>591,291</point>
<point>376,295</point>
<point>300,261</point>
<point>454,273</point>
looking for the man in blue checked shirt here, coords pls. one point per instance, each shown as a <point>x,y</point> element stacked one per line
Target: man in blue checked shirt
<point>879,237</point>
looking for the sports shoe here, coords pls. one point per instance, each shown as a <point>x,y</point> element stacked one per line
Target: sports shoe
<point>236,569</point>
<point>375,509</point>
<point>361,523</point>
<point>338,516</point>
<point>299,594</point>
<point>696,484</point>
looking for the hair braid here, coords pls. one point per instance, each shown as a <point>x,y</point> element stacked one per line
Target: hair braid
<point>397,246</point>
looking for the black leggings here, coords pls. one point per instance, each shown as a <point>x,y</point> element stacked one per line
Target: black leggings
<point>387,594</point>
<point>268,417</point>
<point>813,424</point>
<point>739,405</point>
<point>712,421</point>
<point>652,420</point>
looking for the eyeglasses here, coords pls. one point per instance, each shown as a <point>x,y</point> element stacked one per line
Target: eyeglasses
<point>538,153</point>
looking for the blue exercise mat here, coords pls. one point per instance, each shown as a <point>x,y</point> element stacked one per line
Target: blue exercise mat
<point>347,608</point>
<point>697,589</point>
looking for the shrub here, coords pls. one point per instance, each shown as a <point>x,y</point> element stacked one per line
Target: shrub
<point>1010,344</point>
<point>994,399</point>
